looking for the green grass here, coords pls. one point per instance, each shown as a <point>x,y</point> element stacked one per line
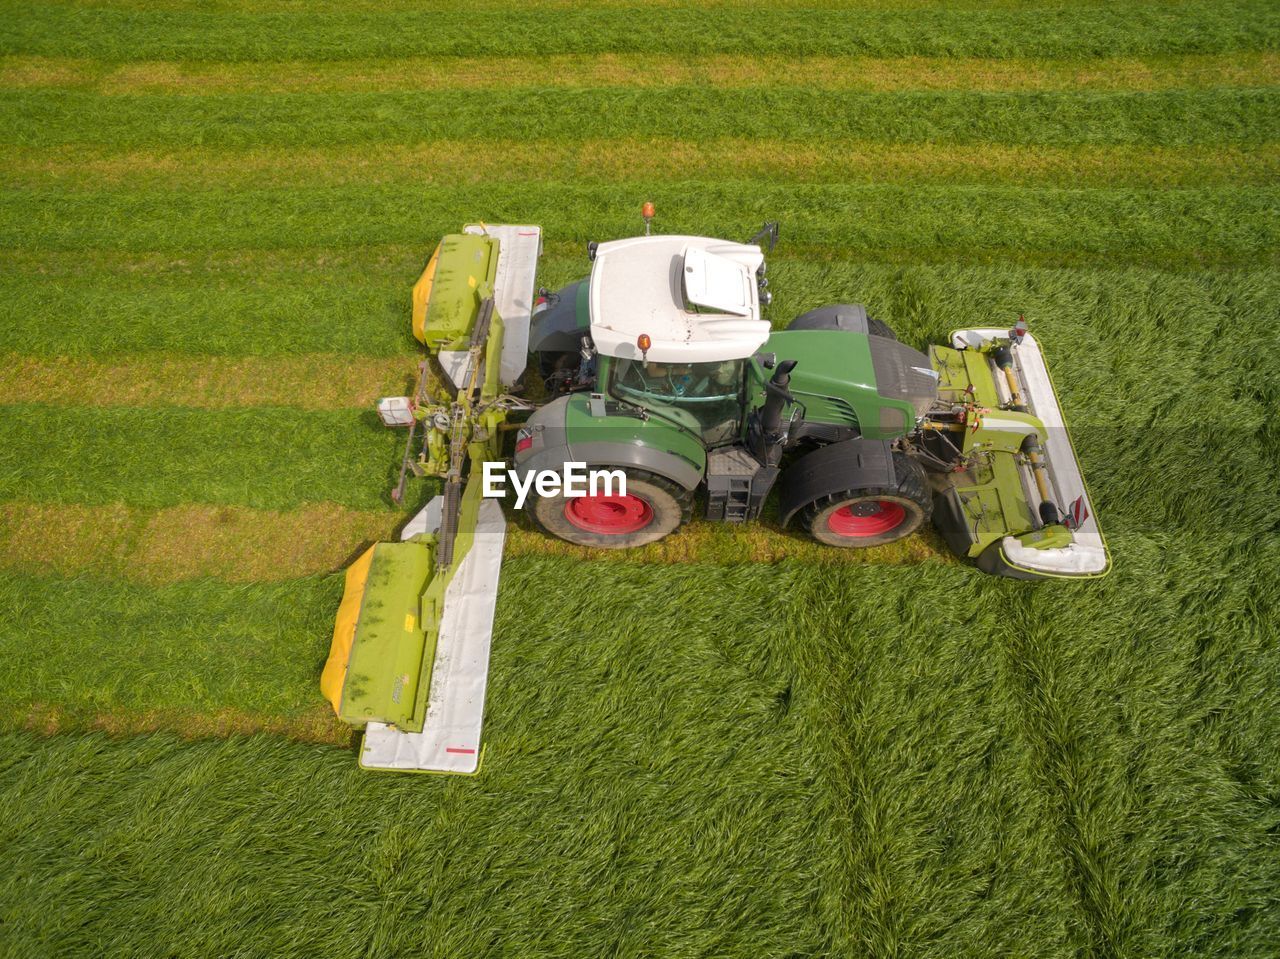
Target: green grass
<point>87,647</point>
<point>694,759</point>
<point>965,30</point>
<point>1239,222</point>
<point>1177,117</point>
<point>267,458</point>
<point>669,776</point>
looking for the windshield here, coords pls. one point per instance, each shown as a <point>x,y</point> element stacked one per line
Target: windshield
<point>702,397</point>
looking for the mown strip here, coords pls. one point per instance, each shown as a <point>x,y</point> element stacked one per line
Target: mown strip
<point>449,162</point>
<point>879,75</point>
<point>195,655</point>
<point>236,544</point>
<point>264,457</point>
<point>1214,116</point>
<point>1123,28</point>
<point>233,544</point>
<point>853,219</point>
<point>309,382</point>
<point>315,725</point>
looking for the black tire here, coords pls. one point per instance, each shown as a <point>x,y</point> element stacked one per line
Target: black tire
<point>666,506</point>
<point>872,516</point>
<point>880,328</point>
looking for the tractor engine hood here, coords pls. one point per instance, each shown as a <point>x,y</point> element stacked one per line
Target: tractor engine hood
<point>903,374</point>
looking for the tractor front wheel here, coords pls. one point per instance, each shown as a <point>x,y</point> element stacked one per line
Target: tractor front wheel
<point>873,516</point>
<point>652,508</point>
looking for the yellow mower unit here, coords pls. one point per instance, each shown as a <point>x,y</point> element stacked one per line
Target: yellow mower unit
<point>410,652</point>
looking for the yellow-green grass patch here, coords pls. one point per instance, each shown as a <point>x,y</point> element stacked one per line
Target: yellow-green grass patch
<point>231,543</point>
<point>596,160</point>
<point>314,381</point>
<point>241,545</point>
<point>315,725</point>
<point>873,74</point>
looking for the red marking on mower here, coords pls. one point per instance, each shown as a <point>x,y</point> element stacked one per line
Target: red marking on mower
<point>1077,513</point>
<point>887,515</point>
<point>608,515</point>
<point>460,751</point>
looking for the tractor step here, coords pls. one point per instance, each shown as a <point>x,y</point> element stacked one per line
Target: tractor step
<point>736,484</point>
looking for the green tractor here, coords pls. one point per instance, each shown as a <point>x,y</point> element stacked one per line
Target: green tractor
<point>669,373</point>
<point>659,371</point>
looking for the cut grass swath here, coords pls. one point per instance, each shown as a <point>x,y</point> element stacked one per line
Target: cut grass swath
<point>265,458</point>
<point>322,381</point>
<point>1241,68</point>
<point>48,118</point>
<point>847,220</point>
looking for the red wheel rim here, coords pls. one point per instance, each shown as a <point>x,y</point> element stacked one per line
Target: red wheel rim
<point>608,515</point>
<point>873,517</point>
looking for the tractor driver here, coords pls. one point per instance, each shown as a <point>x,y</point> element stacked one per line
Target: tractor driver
<point>690,379</point>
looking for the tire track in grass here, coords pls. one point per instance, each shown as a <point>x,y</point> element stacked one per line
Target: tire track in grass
<point>615,160</point>
<point>873,74</point>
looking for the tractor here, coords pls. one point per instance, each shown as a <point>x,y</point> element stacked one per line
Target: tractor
<point>659,367</point>
<point>665,368</point>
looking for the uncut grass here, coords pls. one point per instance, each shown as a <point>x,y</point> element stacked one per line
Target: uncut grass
<point>1254,68</point>
<point>851,220</point>
<point>639,795</point>
<point>872,766</point>
<point>642,813</point>
<point>1215,116</point>
<point>1155,733</point>
<point>595,161</point>
<point>264,458</point>
<point>944,847</point>
<point>1124,28</point>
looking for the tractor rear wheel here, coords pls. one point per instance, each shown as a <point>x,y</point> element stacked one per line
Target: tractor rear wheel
<point>652,508</point>
<point>880,328</point>
<point>872,516</point>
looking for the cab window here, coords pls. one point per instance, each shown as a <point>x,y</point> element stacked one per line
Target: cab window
<point>704,397</point>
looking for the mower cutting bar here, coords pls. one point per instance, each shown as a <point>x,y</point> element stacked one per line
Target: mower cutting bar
<point>514,284</point>
<point>450,738</point>
<point>1087,554</point>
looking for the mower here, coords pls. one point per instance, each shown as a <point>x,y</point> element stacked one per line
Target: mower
<point>660,368</point>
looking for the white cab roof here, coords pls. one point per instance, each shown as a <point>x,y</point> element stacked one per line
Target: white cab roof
<point>695,297</point>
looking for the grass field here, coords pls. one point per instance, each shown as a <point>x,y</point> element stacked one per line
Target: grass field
<point>732,743</point>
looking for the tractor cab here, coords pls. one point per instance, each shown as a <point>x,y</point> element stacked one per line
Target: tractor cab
<point>673,320</point>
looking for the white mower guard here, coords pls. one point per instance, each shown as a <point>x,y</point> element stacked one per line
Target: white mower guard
<point>1087,554</point>
<point>450,737</point>
<point>513,293</point>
